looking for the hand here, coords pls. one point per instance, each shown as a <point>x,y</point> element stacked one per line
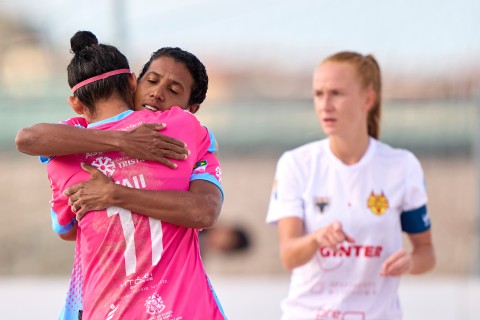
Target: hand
<point>93,194</point>
<point>146,143</point>
<point>331,235</point>
<point>397,264</point>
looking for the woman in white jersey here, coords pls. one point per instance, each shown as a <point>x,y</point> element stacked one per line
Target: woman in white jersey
<point>341,204</point>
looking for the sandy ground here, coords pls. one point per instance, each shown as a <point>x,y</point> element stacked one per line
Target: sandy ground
<point>29,247</point>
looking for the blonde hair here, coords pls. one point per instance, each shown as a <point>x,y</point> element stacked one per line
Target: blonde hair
<point>369,72</point>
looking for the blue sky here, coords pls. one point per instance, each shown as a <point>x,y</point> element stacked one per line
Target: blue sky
<point>407,35</point>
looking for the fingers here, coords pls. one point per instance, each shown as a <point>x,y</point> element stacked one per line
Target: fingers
<point>339,234</point>
<point>167,163</point>
<point>90,169</point>
<point>79,215</point>
<point>155,126</point>
<point>397,264</point>
<point>180,154</point>
<point>78,208</point>
<point>332,235</point>
<point>73,189</point>
<point>161,126</point>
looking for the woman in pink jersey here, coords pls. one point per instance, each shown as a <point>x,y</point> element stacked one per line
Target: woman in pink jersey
<point>171,77</point>
<point>134,267</point>
<point>341,204</point>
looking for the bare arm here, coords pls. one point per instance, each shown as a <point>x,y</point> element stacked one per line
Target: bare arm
<point>143,142</point>
<point>199,207</point>
<point>420,260</point>
<point>297,248</point>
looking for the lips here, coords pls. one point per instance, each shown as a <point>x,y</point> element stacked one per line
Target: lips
<point>150,107</point>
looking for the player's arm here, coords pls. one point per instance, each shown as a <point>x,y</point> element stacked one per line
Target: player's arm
<point>70,235</point>
<point>420,260</point>
<point>297,247</point>
<point>199,207</point>
<point>143,142</point>
<point>423,255</point>
<point>416,223</point>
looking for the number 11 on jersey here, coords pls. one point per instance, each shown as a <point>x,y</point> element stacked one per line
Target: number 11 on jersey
<point>156,236</point>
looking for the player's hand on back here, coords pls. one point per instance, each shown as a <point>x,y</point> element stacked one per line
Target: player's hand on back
<point>147,143</point>
<point>93,194</point>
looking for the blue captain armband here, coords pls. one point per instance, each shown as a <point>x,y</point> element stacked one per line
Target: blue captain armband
<point>415,221</point>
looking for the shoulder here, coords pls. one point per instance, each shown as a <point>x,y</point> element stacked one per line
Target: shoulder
<point>386,151</point>
<point>400,156</point>
<point>307,150</point>
<point>76,121</point>
<point>172,114</point>
<point>302,156</point>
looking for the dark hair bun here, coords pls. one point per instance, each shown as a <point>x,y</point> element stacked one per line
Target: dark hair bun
<point>81,40</point>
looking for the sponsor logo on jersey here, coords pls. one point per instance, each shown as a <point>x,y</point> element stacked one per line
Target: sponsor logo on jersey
<point>126,162</point>
<point>352,251</point>
<point>218,173</point>
<point>154,304</point>
<point>111,313</point>
<point>274,190</point>
<point>132,283</point>
<point>137,182</point>
<point>327,314</point>
<point>322,203</point>
<point>92,154</point>
<point>104,164</point>
<point>377,203</point>
<point>200,166</point>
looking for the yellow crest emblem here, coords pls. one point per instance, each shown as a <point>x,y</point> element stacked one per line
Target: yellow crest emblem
<point>377,203</point>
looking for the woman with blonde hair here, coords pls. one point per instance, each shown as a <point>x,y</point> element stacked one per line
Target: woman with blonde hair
<point>342,203</point>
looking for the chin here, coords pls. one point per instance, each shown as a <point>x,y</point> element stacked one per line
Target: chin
<point>328,131</point>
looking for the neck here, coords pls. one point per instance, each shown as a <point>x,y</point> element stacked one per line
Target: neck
<point>108,108</point>
<point>349,151</point>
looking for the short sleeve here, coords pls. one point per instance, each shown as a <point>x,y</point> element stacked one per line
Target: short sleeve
<point>286,197</point>
<point>79,122</point>
<point>63,219</point>
<point>208,169</point>
<point>414,216</point>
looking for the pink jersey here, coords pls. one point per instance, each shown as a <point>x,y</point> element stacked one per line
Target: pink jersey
<point>133,266</point>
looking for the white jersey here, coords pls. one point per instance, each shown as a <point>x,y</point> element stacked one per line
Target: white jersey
<point>374,199</point>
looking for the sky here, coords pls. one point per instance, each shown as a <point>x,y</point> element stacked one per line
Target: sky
<point>408,35</point>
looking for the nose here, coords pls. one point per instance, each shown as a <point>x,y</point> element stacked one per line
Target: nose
<point>326,103</point>
<point>157,93</point>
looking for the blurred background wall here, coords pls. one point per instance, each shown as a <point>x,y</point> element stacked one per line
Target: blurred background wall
<point>259,56</point>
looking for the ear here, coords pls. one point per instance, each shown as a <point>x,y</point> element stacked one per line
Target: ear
<point>76,105</point>
<point>370,98</point>
<point>193,107</point>
<point>132,80</point>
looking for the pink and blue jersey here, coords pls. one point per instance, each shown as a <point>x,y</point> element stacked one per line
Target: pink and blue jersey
<point>133,266</point>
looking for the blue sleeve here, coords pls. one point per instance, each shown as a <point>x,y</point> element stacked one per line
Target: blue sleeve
<point>45,160</point>
<point>57,227</point>
<point>207,177</point>
<point>213,141</point>
<point>415,221</point>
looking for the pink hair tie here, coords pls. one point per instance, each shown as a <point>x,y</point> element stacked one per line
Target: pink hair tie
<point>100,77</point>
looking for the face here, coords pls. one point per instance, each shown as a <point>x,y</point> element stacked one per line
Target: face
<point>166,83</point>
<point>341,103</point>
